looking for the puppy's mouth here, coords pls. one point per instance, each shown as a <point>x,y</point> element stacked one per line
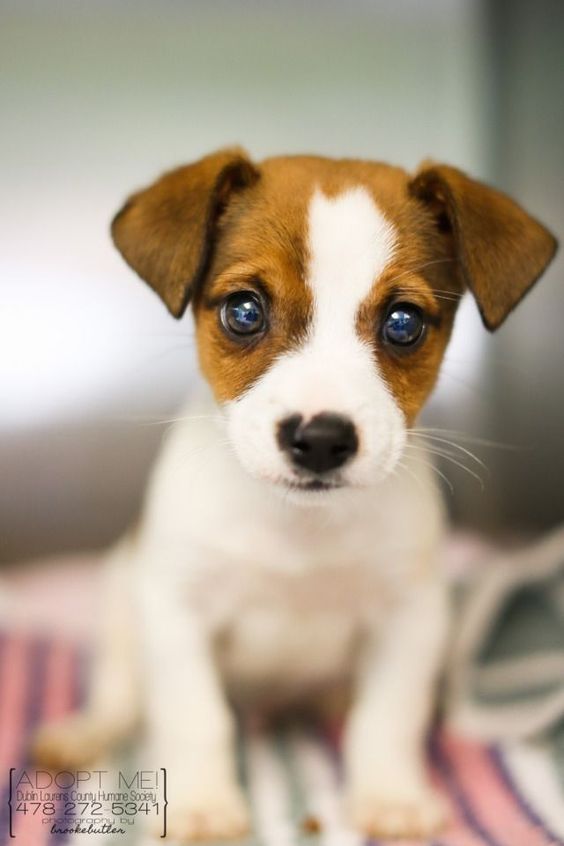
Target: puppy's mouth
<point>315,485</point>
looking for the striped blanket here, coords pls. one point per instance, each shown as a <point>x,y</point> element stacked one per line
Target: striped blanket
<point>498,795</point>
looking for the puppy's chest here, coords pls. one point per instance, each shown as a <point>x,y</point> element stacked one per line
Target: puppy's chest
<point>298,627</point>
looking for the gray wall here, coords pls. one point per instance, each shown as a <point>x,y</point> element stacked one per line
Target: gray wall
<point>523,384</point>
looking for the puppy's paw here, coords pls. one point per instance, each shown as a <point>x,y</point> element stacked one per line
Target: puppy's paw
<point>217,813</point>
<point>73,742</point>
<point>408,812</point>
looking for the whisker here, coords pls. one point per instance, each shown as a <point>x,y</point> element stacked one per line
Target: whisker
<point>432,466</point>
<point>189,418</point>
<point>439,439</point>
<point>200,449</point>
<point>466,436</point>
<point>439,294</point>
<point>456,294</point>
<point>165,421</point>
<point>421,267</point>
<point>173,350</point>
<point>448,457</point>
<point>406,469</point>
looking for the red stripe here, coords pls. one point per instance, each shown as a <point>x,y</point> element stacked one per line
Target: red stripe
<point>486,792</point>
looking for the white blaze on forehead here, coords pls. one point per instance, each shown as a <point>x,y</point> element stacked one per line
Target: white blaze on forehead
<point>350,244</point>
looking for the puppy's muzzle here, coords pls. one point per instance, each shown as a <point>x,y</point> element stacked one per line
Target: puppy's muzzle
<point>324,443</point>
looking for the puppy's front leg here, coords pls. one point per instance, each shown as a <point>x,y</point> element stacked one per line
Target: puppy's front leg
<point>190,724</point>
<point>388,793</point>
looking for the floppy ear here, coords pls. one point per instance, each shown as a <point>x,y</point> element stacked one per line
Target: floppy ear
<point>501,249</point>
<point>165,232</point>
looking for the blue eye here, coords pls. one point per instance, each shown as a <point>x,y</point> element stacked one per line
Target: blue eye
<point>404,325</point>
<point>243,313</point>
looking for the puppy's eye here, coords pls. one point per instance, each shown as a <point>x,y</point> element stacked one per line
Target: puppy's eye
<point>404,325</point>
<point>243,314</point>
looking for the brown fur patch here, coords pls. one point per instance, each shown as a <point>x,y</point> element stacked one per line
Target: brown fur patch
<point>262,242</point>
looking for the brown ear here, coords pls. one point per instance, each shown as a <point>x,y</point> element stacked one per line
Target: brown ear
<point>165,232</point>
<point>501,250</point>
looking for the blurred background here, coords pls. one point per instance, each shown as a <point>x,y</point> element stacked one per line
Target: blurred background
<point>98,97</point>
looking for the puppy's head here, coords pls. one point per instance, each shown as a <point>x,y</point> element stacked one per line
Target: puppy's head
<point>324,293</point>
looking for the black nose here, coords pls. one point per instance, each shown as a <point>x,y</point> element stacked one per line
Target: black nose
<point>323,444</point>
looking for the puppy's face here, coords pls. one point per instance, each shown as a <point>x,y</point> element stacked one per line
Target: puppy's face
<point>323,321</point>
<point>324,294</point>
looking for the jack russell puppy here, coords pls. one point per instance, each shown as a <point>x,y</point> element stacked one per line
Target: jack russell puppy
<point>291,529</point>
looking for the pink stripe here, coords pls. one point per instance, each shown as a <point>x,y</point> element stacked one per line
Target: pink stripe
<point>487,793</point>
<point>457,832</point>
<point>14,686</point>
<point>59,680</point>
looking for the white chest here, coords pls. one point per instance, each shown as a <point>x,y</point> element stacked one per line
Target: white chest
<point>288,629</point>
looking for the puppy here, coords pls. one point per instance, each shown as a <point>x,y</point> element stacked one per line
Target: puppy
<point>291,529</point>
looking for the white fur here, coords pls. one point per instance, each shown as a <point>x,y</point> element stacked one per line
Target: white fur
<point>237,586</point>
<point>350,244</point>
